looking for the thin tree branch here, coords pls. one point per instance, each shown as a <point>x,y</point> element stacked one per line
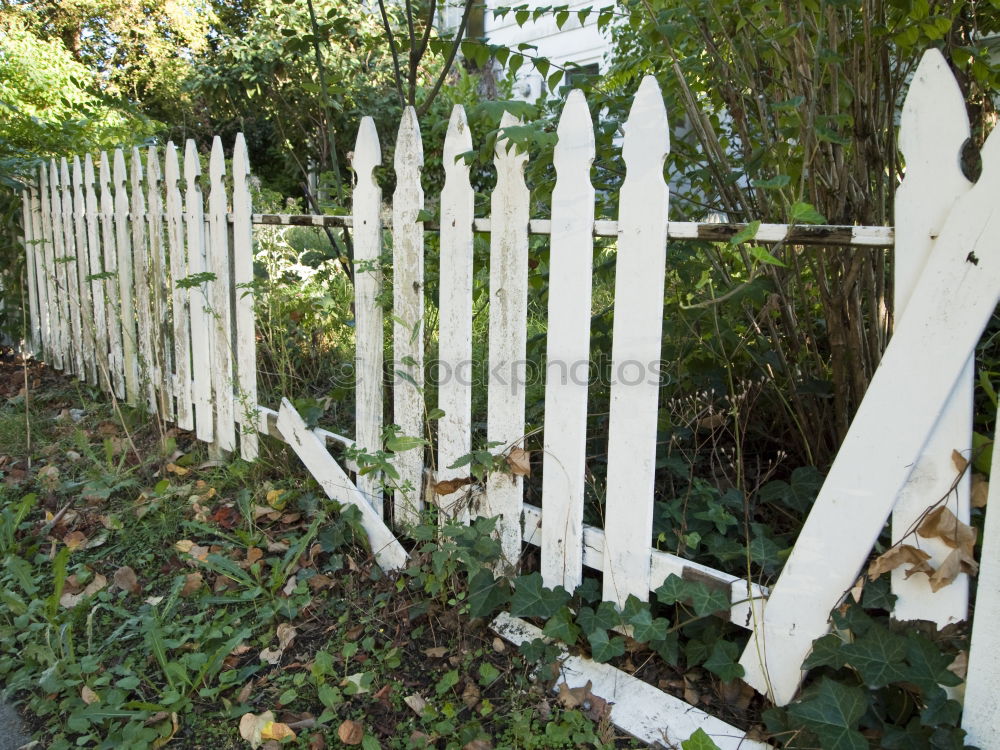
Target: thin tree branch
<point>397,75</point>
<point>455,44</point>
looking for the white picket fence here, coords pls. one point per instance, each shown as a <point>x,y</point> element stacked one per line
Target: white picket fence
<point>107,264</point>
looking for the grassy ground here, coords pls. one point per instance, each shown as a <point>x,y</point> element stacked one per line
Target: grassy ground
<point>152,595</point>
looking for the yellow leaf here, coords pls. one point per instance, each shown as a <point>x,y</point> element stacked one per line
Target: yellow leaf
<point>274,730</point>
<point>275,499</point>
<point>74,540</point>
<point>178,470</point>
<point>89,696</point>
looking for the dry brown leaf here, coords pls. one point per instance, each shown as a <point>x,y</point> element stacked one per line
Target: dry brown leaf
<point>192,584</point>
<point>416,702</point>
<point>244,695</point>
<point>573,697</point>
<point>274,730</point>
<point>175,724</point>
<point>902,554</point>
<point>470,695</point>
<point>478,745</point>
<point>351,732</point>
<point>448,486</point>
<point>944,525</point>
<point>178,470</point>
<point>74,540</point>
<point>498,645</point>
<point>285,634</point>
<point>436,652</point>
<point>980,491</point>
<point>320,581</point>
<point>71,600</point>
<point>317,742</point>
<point>251,726</point>
<point>597,709</point>
<point>48,476</point>
<point>89,696</point>
<point>958,561</point>
<point>959,461</point>
<point>519,461</point>
<point>960,665</point>
<point>126,580</point>
<point>254,554</point>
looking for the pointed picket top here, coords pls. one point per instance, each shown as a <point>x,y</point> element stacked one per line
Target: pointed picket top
<point>367,151</point>
<point>647,131</point>
<point>246,346</point>
<point>458,140</point>
<point>575,151</point>
<point>504,152</point>
<point>409,146</point>
<point>192,165</point>
<point>216,162</point>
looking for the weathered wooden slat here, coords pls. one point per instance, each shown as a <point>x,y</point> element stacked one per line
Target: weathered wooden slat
<point>455,313</point>
<point>636,707</point>
<point>568,348</point>
<point>933,128</point>
<point>143,308</point>
<point>408,316</point>
<point>200,304</point>
<point>246,331</point>
<point>947,312</point>
<point>98,302</point>
<point>159,328</point>
<point>508,332</point>
<point>367,204</point>
<point>981,714</point>
<point>70,258</point>
<point>30,251</point>
<point>60,297</point>
<point>829,235</point>
<point>42,278</point>
<point>221,314</point>
<point>388,552</point>
<point>126,282</point>
<point>180,310</point>
<point>112,292</point>
<point>636,342</point>
<point>88,357</point>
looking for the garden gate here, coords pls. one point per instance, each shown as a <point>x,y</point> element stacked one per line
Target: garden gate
<point>135,286</point>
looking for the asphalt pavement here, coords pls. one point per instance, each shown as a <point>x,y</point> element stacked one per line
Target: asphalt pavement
<point>12,735</point>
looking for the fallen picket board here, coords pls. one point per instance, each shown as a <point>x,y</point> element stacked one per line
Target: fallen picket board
<point>309,447</point>
<point>638,708</point>
<point>947,312</point>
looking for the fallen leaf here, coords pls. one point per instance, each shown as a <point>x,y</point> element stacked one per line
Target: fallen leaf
<point>478,744</point>
<point>74,540</point>
<point>48,476</point>
<point>89,696</point>
<point>165,739</point>
<point>960,665</point>
<point>192,583</point>
<point>254,554</point>
<point>944,525</point>
<point>274,730</point>
<point>959,461</point>
<point>126,580</point>
<point>470,695</point>
<point>71,600</point>
<point>316,742</point>
<point>178,470</point>
<point>244,695</point>
<point>416,702</point>
<point>275,499</point>
<point>355,679</point>
<point>980,491</point>
<point>251,726</point>
<point>902,554</point>
<point>448,486</point>
<point>573,697</point>
<point>351,732</point>
<point>285,635</point>
<point>958,561</point>
<point>498,645</point>
<point>320,581</point>
<point>519,461</point>
<point>436,652</point>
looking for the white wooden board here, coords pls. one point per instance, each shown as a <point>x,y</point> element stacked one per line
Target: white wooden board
<point>180,311</point>
<point>246,329</point>
<point>126,282</point>
<point>99,324</point>
<point>200,304</point>
<point>112,294</point>
<point>220,301</point>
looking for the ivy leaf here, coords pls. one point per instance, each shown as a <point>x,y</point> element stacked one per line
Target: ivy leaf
<point>833,712</point>
<point>878,656</point>
<point>561,627</point>
<point>926,665</point>
<point>723,661</point>
<point>646,628</point>
<point>825,653</point>
<point>606,617</point>
<point>589,590</point>
<point>708,599</point>
<point>699,741</point>
<point>603,648</point>
<point>941,710</point>
<point>668,648</point>
<point>806,213</point>
<point>532,599</point>
<point>673,589</point>
<point>486,594</point>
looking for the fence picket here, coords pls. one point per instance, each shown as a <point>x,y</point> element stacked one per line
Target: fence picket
<point>455,313</point>
<point>48,267</point>
<point>140,256</point>
<point>162,380</point>
<point>126,281</point>
<point>96,285</point>
<point>408,309</point>
<point>568,348</point>
<point>246,331</point>
<point>366,207</point>
<point>70,259</point>
<point>507,338</point>
<point>61,296</point>
<point>86,342</point>
<point>41,271</point>
<point>181,315</point>
<point>112,286</point>
<point>221,305</point>
<point>201,326</point>
<point>636,342</point>
<point>933,128</point>
<point>27,200</point>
